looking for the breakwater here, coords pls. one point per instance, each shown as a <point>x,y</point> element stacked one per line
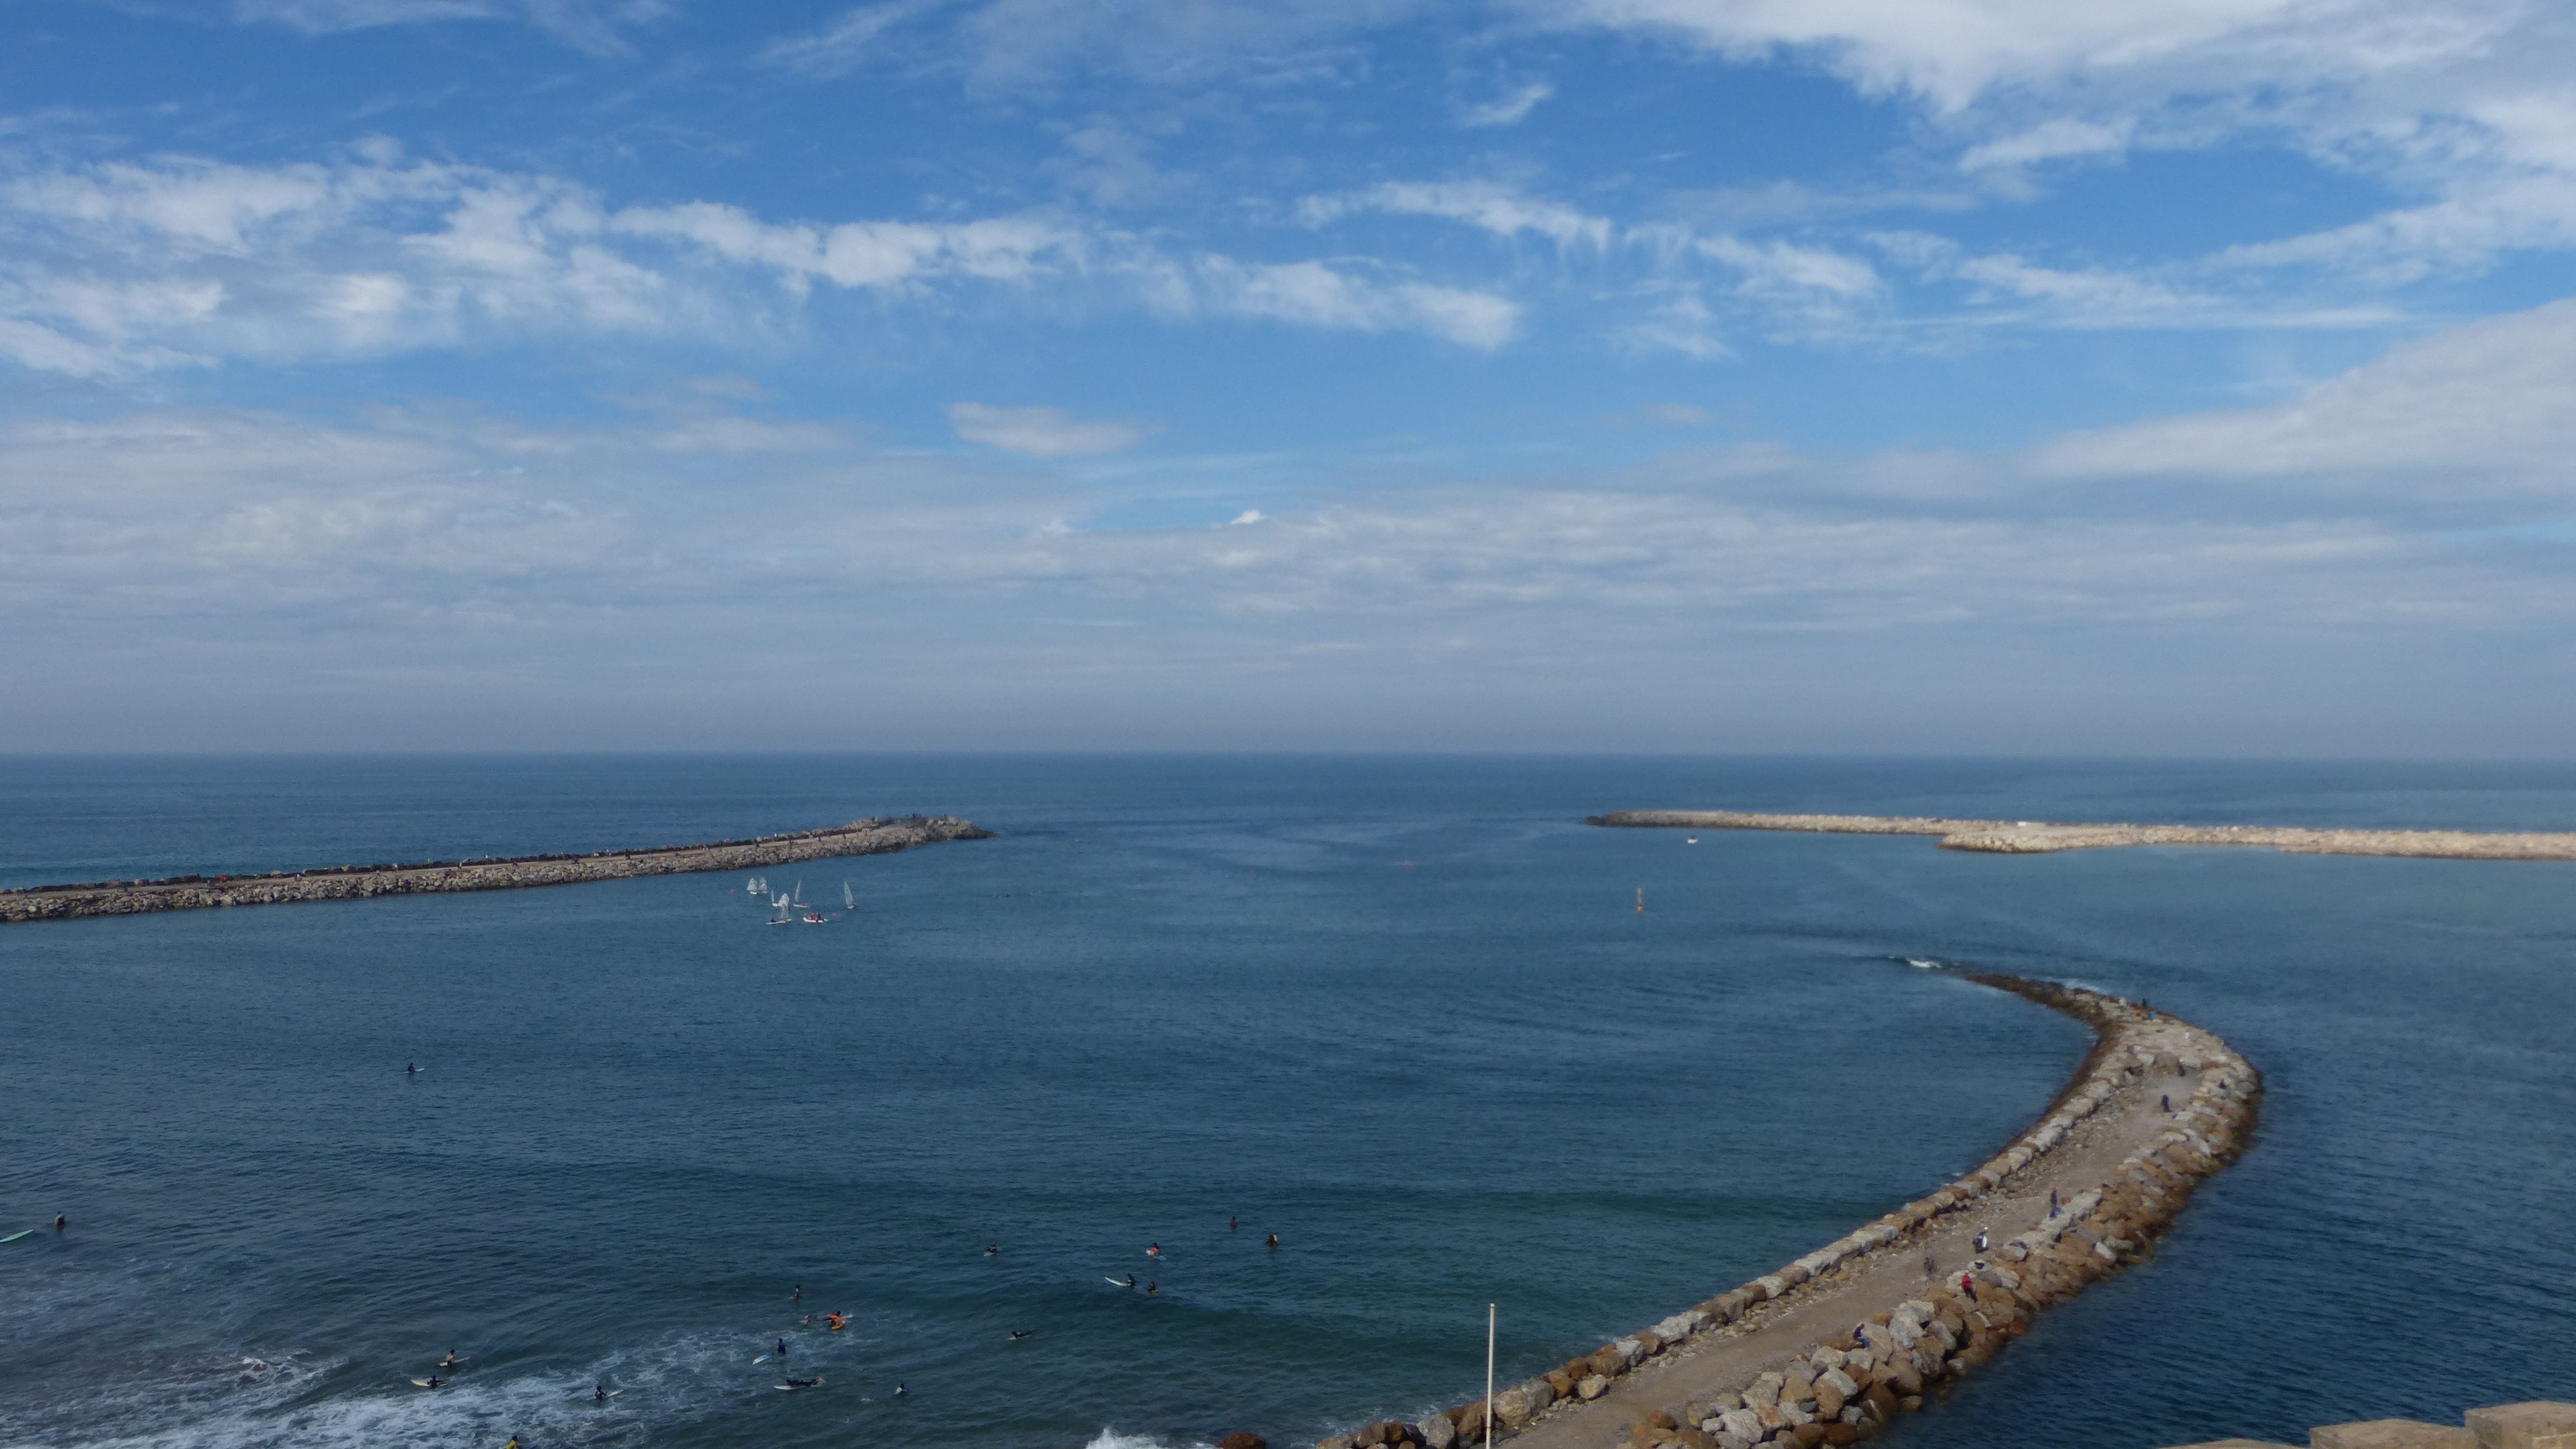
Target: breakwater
<point>2039,837</point>
<point>1830,1348</point>
<point>2538,1424</point>
<point>354,882</point>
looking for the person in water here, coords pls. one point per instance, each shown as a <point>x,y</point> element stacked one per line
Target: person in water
<point>782,1348</point>
<point>900,1391</point>
<point>435,1382</point>
<point>1153,1250</point>
<point>1020,1333</point>
<point>599,1392</point>
<point>1131,1280</point>
<point>992,1250</point>
<point>798,1296</point>
<point>836,1321</point>
<point>1153,1288</point>
<point>1274,1241</point>
<point>802,1383</point>
<point>1231,1225</point>
<point>451,1361</point>
<point>411,1069</point>
<point>61,1222</point>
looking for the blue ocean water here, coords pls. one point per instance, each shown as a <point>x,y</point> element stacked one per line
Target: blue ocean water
<point>1402,1013</point>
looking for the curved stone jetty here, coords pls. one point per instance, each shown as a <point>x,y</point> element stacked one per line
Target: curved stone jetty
<point>349,882</point>
<point>1826,1350</point>
<point>2038,837</point>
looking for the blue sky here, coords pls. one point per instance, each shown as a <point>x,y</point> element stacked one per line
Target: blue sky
<point>1886,375</point>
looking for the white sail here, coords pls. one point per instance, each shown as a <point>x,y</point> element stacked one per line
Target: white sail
<point>849,902</point>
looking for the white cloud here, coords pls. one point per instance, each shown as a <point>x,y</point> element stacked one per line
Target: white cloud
<point>2054,140</point>
<point>846,43</point>
<point>128,266</point>
<point>1492,207</point>
<point>1312,294</point>
<point>597,26</point>
<point>1042,432</point>
<point>1509,109</point>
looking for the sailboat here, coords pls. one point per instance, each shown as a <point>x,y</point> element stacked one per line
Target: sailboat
<point>849,902</point>
<point>779,905</point>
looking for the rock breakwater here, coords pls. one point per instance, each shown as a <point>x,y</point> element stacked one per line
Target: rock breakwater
<point>2039,837</point>
<point>1830,1348</point>
<point>352,882</point>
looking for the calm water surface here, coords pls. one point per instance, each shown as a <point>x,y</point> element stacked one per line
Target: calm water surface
<point>1402,1013</point>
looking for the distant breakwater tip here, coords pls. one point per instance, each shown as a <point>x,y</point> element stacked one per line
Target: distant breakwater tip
<point>354,882</point>
<point>2041,837</point>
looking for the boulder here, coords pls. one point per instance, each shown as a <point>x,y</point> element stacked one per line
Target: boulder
<point>1629,1350</point>
<point>1805,1436</point>
<point>1592,1386</point>
<point>1608,1363</point>
<point>1470,1419</point>
<point>1561,1382</point>
<point>1742,1423</point>
<point>1512,1408</point>
<point>1338,1441</point>
<point>2537,1425</point>
<point>1839,1435</point>
<point>1436,1432</point>
<point>2391,1434</point>
<point>1772,1285</point>
<point>1763,1392</point>
<point>1649,1343</point>
<point>1829,1398</point>
<point>1242,1440</point>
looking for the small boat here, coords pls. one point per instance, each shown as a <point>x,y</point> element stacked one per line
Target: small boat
<point>813,918</point>
<point>849,902</point>
<point>781,917</point>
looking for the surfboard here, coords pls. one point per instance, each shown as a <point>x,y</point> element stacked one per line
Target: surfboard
<point>792,1388</point>
<point>612,1393</point>
<point>426,1384</point>
<point>764,1358</point>
<point>1121,1282</point>
<point>13,1237</point>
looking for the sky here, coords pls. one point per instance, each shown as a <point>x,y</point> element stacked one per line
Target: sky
<point>2179,377</point>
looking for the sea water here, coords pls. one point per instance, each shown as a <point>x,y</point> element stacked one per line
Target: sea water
<point>1405,1014</point>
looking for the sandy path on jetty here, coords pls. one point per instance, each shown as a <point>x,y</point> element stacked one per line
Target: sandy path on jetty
<point>2039,837</point>
<point>1820,1310</point>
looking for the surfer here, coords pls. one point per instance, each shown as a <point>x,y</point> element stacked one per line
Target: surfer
<point>433,1382</point>
<point>801,1383</point>
<point>798,1296</point>
<point>1131,1280</point>
<point>1231,1225</point>
<point>1273,1244</point>
<point>1153,1288</point>
<point>1153,1250</point>
<point>411,1069</point>
<point>61,1222</point>
<point>836,1321</point>
<point>451,1361</point>
<point>599,1392</point>
<point>1020,1333</point>
<point>900,1391</point>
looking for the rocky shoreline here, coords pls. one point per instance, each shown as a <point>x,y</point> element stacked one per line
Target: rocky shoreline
<point>1830,1348</point>
<point>353,882</point>
<point>2039,837</point>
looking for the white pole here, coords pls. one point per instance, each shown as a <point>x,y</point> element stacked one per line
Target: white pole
<point>1489,1376</point>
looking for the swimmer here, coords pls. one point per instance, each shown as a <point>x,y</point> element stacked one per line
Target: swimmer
<point>1020,1333</point>
<point>798,1296</point>
<point>782,1348</point>
<point>1231,1225</point>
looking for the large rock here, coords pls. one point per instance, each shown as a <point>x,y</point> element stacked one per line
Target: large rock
<point>1742,1423</point>
<point>1592,1386</point>
<point>2537,1425</point>
<point>1239,1439</point>
<point>1512,1408</point>
<point>2391,1434</point>
<point>1436,1431</point>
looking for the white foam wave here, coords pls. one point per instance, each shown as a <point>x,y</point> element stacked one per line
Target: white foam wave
<point>1111,1439</point>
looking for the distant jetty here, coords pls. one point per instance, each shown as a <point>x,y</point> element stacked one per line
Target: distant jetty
<point>351,882</point>
<point>2038,837</point>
